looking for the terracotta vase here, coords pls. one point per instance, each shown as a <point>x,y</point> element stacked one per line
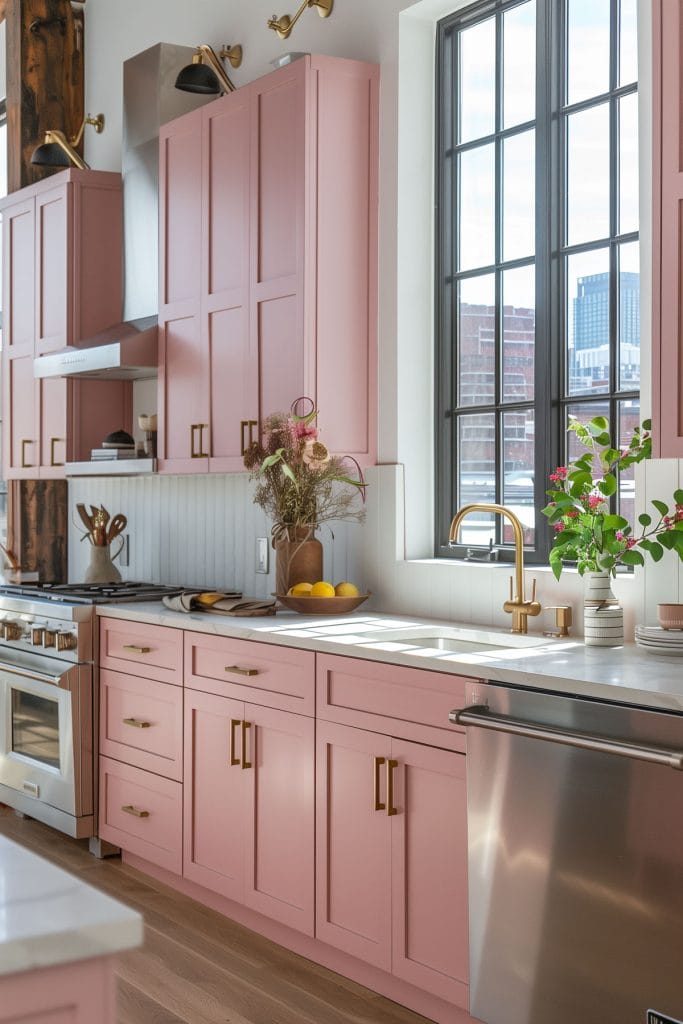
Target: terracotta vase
<point>603,616</point>
<point>299,560</point>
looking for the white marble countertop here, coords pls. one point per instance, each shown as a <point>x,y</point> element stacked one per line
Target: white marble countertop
<point>49,917</point>
<point>626,674</point>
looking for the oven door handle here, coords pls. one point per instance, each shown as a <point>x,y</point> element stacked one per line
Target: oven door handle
<point>40,677</point>
<point>479,716</point>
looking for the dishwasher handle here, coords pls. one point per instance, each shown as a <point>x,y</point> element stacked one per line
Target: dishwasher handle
<point>479,716</point>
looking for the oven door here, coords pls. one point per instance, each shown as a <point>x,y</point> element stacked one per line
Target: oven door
<point>46,737</point>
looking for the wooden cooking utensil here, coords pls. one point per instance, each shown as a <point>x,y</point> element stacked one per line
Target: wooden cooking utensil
<point>116,526</point>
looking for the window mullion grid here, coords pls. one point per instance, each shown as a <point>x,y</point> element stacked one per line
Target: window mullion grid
<point>498,320</point>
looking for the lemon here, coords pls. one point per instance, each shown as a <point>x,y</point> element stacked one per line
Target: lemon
<point>346,590</point>
<point>300,590</point>
<point>322,589</point>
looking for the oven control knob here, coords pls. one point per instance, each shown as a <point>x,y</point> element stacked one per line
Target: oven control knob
<point>66,641</point>
<point>37,635</point>
<point>12,631</point>
<point>50,638</point>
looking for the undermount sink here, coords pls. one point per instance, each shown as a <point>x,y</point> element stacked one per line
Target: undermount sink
<point>455,639</point>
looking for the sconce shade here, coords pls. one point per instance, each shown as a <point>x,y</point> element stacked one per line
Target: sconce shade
<point>198,78</point>
<point>49,154</point>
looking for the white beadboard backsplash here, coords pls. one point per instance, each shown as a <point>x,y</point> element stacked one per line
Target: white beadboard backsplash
<point>197,531</point>
<point>201,531</point>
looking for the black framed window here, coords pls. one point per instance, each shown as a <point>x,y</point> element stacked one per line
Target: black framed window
<point>537,251</point>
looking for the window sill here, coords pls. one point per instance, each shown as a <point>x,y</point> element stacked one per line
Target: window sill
<point>545,570</point>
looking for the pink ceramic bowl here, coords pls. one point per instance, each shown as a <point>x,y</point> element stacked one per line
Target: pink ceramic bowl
<point>670,616</point>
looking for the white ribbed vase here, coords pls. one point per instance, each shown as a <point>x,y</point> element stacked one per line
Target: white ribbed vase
<point>603,616</point>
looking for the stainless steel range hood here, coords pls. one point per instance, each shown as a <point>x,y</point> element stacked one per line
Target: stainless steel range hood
<point>127,351</point>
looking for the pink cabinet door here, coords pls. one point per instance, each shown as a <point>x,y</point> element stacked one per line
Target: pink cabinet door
<point>353,843</point>
<point>280,805</point>
<point>183,356</point>
<point>54,396</point>
<point>345,94</point>
<point>429,870</point>
<point>225,207</point>
<point>54,279</point>
<point>18,283</point>
<point>214,805</point>
<point>22,455</point>
<point>280,183</point>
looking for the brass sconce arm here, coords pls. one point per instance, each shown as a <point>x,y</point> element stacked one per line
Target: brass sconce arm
<point>97,122</point>
<point>207,55</point>
<point>57,138</point>
<point>284,24</point>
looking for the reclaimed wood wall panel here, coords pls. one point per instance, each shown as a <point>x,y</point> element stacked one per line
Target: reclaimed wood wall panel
<point>45,80</point>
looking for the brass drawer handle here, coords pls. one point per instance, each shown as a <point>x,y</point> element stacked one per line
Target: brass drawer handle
<point>234,722</point>
<point>53,442</point>
<point>391,810</point>
<point>243,426</point>
<point>241,671</point>
<point>137,650</point>
<point>202,428</point>
<point>252,423</point>
<point>129,809</point>
<point>136,723</point>
<point>245,763</point>
<point>24,463</point>
<point>378,762</point>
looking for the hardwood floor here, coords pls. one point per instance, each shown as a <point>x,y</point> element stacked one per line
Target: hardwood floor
<point>197,967</point>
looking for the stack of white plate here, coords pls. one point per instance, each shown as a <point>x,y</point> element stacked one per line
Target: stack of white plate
<point>656,640</point>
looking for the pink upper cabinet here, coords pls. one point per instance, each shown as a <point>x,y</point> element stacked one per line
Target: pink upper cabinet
<point>269,229</point>
<point>667,255</point>
<point>62,283</point>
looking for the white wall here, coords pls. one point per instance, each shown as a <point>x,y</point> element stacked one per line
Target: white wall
<point>177,524</point>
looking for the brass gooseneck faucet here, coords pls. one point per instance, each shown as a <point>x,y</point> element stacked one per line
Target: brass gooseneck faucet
<point>517,605</point>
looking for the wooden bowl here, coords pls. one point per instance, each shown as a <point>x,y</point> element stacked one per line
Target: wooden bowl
<point>321,605</point>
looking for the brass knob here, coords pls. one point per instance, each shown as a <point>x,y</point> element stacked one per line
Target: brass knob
<point>66,641</point>
<point>563,619</point>
<point>50,638</point>
<point>37,635</point>
<point>12,631</point>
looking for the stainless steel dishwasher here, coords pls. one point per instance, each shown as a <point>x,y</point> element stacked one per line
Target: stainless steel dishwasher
<point>575,818</point>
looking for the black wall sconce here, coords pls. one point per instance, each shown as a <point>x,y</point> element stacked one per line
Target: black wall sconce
<point>206,74</point>
<point>57,151</point>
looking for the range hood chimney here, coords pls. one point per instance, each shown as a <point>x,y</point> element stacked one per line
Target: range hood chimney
<point>128,351</point>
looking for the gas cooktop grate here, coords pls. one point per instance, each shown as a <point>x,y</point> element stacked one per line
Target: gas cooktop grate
<point>90,593</point>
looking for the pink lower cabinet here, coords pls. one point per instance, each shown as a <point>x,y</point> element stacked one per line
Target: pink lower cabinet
<point>249,805</point>
<point>392,856</point>
<point>142,813</point>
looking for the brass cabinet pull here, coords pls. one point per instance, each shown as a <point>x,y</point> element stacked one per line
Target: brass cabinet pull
<point>202,427</point>
<point>193,453</point>
<point>243,426</point>
<point>252,423</point>
<point>391,764</point>
<point>129,809</point>
<point>234,722</point>
<point>378,762</point>
<point>24,463</point>
<point>241,671</point>
<point>136,723</point>
<point>136,650</point>
<point>245,763</point>
<point>53,442</point>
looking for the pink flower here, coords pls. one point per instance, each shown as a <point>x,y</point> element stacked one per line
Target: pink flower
<point>594,501</point>
<point>558,527</point>
<point>559,474</point>
<point>303,431</point>
<point>620,535</point>
<point>668,522</point>
<point>631,542</point>
<point>571,514</point>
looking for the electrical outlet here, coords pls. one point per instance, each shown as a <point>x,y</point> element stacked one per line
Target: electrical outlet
<point>124,557</point>
<point>262,554</point>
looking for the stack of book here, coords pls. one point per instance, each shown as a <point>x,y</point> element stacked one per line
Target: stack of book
<point>105,454</point>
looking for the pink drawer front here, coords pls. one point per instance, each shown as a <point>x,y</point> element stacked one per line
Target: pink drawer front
<point>142,813</point>
<point>141,723</point>
<point>154,652</point>
<point>412,704</point>
<point>276,677</point>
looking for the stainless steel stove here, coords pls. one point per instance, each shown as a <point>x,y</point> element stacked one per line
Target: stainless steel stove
<point>49,698</point>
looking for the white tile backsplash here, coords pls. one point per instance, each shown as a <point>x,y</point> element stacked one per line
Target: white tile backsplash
<point>202,530</point>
